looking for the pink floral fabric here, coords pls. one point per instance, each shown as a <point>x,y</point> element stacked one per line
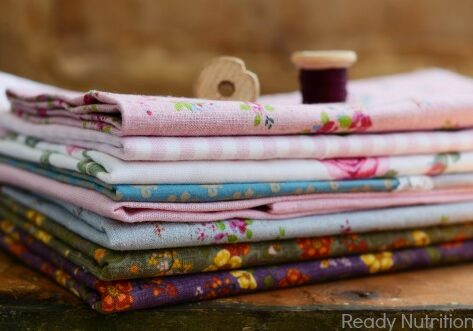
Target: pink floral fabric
<point>423,100</point>
<point>355,168</point>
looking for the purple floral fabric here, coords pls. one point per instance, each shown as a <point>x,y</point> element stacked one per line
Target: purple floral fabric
<point>115,296</point>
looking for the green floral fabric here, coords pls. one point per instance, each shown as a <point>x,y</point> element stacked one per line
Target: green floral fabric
<point>107,264</point>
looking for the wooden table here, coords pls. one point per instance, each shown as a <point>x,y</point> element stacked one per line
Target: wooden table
<point>30,301</point>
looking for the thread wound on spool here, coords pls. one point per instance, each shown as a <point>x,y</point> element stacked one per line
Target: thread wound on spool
<point>323,75</point>
<point>323,86</point>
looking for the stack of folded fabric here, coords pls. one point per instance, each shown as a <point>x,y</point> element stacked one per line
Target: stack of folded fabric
<point>138,201</point>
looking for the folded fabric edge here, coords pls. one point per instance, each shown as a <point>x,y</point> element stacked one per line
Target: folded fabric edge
<point>107,264</point>
<point>129,295</point>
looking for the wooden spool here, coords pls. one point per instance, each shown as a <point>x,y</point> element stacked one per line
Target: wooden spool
<point>226,78</point>
<point>323,59</point>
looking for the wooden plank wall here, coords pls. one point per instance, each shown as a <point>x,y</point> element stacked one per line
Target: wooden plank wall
<point>158,47</point>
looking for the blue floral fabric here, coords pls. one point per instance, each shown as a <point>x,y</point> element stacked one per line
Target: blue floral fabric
<point>204,193</point>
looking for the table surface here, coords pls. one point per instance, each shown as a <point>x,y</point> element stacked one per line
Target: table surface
<point>29,300</point>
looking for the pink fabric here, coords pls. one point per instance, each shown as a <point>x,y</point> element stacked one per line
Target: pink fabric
<point>246,148</point>
<point>356,168</point>
<point>421,100</point>
<point>267,208</point>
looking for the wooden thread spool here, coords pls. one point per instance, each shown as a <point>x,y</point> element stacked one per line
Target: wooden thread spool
<point>323,75</point>
<point>226,78</point>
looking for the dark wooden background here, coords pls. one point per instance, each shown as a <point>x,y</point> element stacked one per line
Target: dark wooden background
<point>158,46</point>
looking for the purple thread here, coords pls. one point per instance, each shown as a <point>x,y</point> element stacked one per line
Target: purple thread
<point>323,86</point>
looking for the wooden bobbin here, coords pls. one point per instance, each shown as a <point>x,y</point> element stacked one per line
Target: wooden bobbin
<point>226,78</point>
<point>323,75</point>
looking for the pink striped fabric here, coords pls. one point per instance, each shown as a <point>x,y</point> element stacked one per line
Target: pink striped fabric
<point>246,148</point>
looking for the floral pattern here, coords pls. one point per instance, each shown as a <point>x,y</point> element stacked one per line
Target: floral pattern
<point>245,279</point>
<point>193,106</point>
<point>196,192</point>
<point>122,295</point>
<point>358,122</point>
<point>229,257</point>
<point>161,288</point>
<point>421,238</point>
<point>441,162</point>
<point>367,110</point>
<point>293,277</point>
<point>215,287</point>
<point>314,247</point>
<point>116,296</point>
<point>230,231</point>
<point>83,171</point>
<point>378,262</point>
<point>110,265</point>
<point>354,168</point>
<point>261,113</point>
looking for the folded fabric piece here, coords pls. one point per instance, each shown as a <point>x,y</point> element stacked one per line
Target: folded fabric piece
<point>107,264</point>
<point>244,148</point>
<point>234,191</point>
<point>241,191</point>
<point>114,171</point>
<point>106,296</point>
<point>263,208</point>
<point>12,81</point>
<point>146,235</point>
<point>422,100</point>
